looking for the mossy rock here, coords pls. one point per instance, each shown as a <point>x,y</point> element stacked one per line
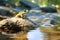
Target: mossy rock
<point>57,27</point>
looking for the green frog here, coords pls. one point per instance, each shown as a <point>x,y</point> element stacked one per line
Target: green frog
<point>22,14</point>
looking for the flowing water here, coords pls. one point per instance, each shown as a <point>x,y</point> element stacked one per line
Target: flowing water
<point>35,35</point>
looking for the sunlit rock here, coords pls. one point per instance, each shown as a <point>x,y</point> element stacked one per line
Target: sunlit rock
<point>15,25</point>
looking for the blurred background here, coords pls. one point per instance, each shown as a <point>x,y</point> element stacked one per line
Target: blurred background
<point>37,12</point>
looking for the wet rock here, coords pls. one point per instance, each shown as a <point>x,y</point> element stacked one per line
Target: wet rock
<point>15,25</point>
<point>3,17</point>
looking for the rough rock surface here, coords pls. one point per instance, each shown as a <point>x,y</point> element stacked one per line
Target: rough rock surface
<point>14,25</point>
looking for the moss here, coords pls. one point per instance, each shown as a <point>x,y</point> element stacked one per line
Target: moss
<point>57,27</point>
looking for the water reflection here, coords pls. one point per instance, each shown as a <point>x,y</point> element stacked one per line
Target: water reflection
<point>35,34</point>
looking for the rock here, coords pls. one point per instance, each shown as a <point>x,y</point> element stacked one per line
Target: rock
<point>15,25</point>
<point>3,17</point>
